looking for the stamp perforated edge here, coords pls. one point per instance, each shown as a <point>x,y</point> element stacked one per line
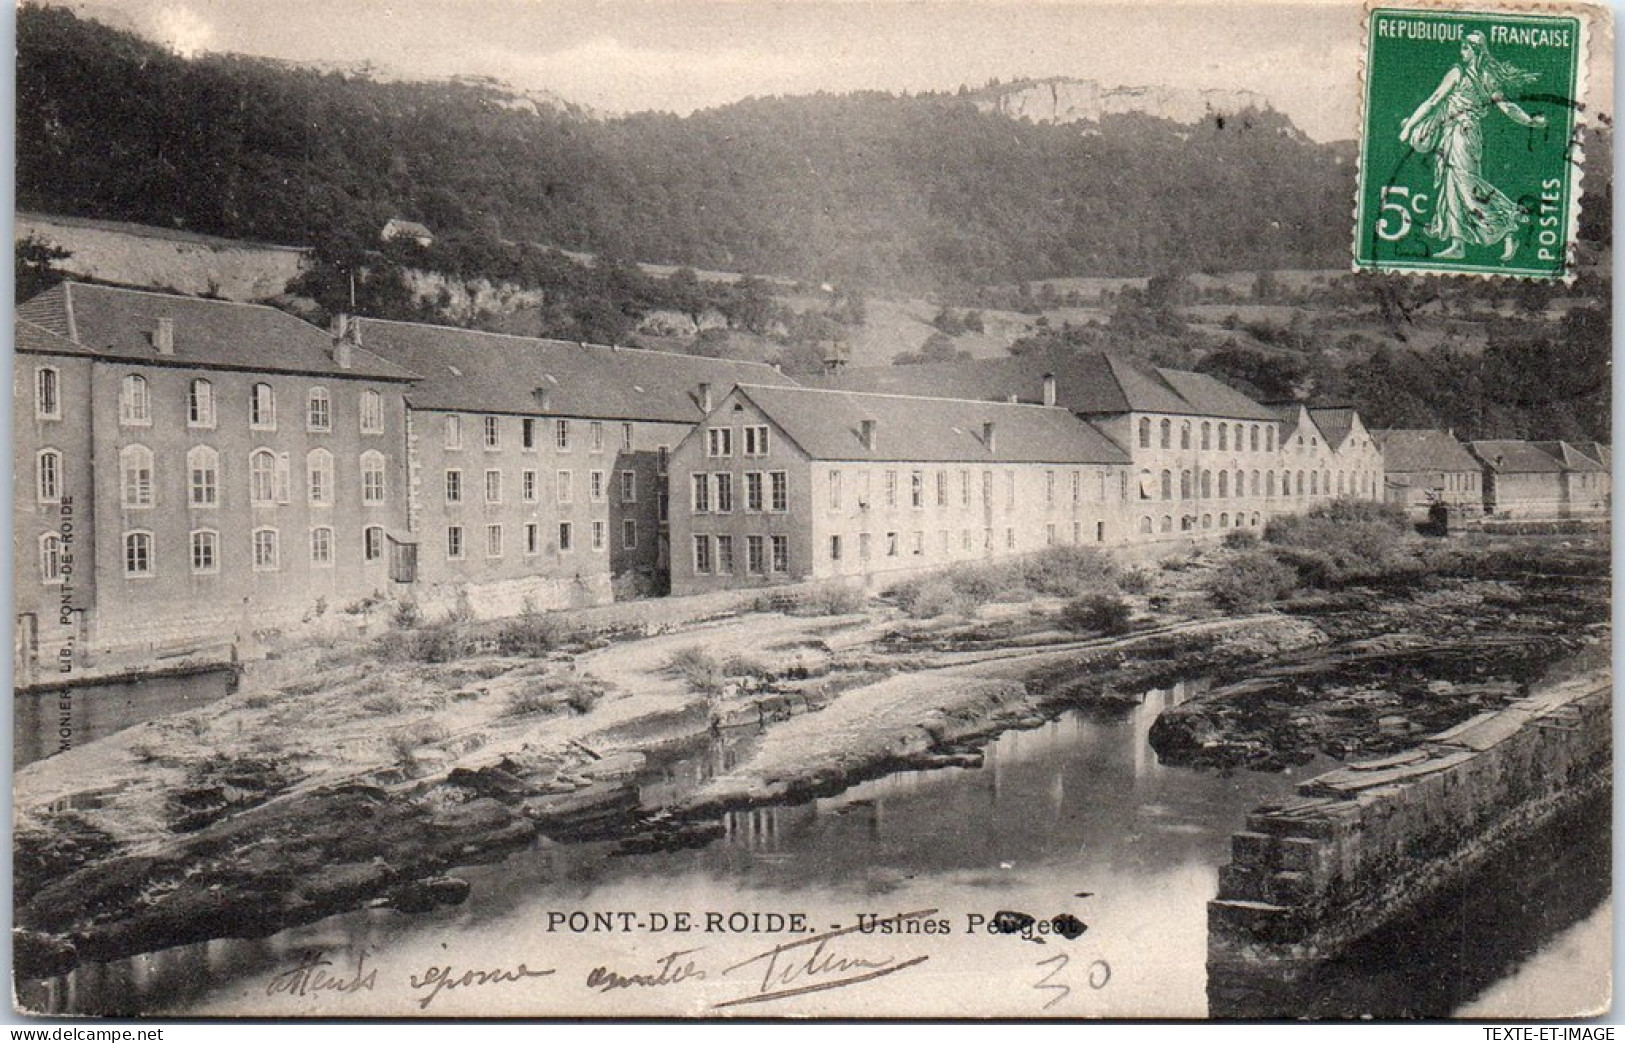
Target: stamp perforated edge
<point>1590,18</point>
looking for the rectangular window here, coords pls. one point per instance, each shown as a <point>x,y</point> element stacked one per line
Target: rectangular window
<point>135,401</point>
<point>781,553</point>
<point>835,548</point>
<point>725,493</point>
<point>891,488</point>
<point>756,440</point>
<point>372,477</point>
<point>454,542</point>
<point>702,554</point>
<point>720,441</point>
<point>200,404</point>
<point>527,433</point>
<point>319,417</point>
<point>598,535</point>
<point>1010,488</point>
<point>595,436</point>
<point>942,488</point>
<point>725,555</point>
<point>533,538</point>
<point>454,487</point>
<point>493,541</point>
<point>493,486</point>
<point>1049,535</point>
<point>919,543</point>
<point>562,493</point>
<point>138,554</point>
<point>1049,488</point>
<point>595,486</point>
<point>753,490</point>
<point>1010,539</point>
<point>493,432</point>
<point>561,435</point>
<point>779,487</point>
<point>372,413</point>
<point>48,393</point>
<point>626,437</point>
<point>891,545</point>
<point>566,533</point>
<point>662,460</point>
<point>863,545</point>
<point>629,534</point>
<point>629,487</point>
<point>1077,488</point>
<point>755,555</point>
<point>702,493</point>
<point>916,490</point>
<point>964,488</point>
<point>835,490</point>
<point>527,486</point>
<point>372,543</point>
<point>987,488</point>
<point>205,552</point>
<point>454,432</point>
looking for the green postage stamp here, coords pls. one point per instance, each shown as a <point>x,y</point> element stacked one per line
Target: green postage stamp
<point>1469,155</point>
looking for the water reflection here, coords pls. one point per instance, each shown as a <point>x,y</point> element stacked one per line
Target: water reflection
<point>91,712</point>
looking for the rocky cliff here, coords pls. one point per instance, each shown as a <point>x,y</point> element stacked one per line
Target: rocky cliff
<point>1086,101</point>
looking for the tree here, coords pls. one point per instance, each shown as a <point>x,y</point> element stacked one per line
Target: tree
<point>939,347</point>
<point>36,269</point>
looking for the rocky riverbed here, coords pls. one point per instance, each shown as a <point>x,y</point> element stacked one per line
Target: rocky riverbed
<point>352,777</point>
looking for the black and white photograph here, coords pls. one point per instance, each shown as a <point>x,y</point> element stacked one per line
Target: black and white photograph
<point>834,509</point>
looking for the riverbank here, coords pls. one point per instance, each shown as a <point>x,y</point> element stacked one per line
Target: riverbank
<point>363,777</point>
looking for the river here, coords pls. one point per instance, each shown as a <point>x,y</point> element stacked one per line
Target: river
<point>1074,817</point>
<point>44,720</point>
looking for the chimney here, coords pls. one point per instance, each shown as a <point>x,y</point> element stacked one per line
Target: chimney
<point>990,436</point>
<point>542,398</point>
<point>705,398</point>
<point>346,332</point>
<point>163,338</point>
<point>1049,389</point>
<point>867,434</point>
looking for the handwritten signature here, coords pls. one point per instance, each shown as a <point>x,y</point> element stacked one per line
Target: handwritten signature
<point>816,964</point>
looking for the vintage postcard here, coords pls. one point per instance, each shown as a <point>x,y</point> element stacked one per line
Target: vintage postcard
<point>886,510</point>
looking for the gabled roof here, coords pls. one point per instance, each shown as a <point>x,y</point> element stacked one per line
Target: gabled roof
<point>1335,422</point>
<point>1573,459</point>
<point>1088,383</point>
<point>471,371</point>
<point>32,339</point>
<point>1406,450</point>
<point>1598,451</point>
<point>828,424</point>
<point>114,323</point>
<point>1511,456</point>
<point>1294,415</point>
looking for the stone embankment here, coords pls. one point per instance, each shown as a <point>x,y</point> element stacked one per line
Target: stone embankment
<point>1362,845</point>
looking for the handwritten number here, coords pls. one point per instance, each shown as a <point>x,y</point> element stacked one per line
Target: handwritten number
<point>1060,960</point>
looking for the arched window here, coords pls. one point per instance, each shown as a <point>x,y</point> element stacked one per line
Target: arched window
<point>138,557</point>
<point>1326,483</point>
<point>1255,519</point>
<point>319,477</point>
<point>372,543</point>
<point>50,558</point>
<point>135,467</point>
<point>1256,487</point>
<point>1224,520</point>
<point>372,413</point>
<point>1300,483</point>
<point>267,552</point>
<point>1269,439</point>
<point>1224,483</point>
<point>1224,437</point>
<point>1167,523</point>
<point>1145,525</point>
<point>1241,477</point>
<point>1269,483</point>
<point>1207,485</point>
<point>200,404</point>
<point>1146,481</point>
<point>1314,483</point>
<point>262,479</point>
<point>1167,485</point>
<point>1184,485</point>
<point>1340,483</point>
<point>1207,434</point>
<point>47,393</point>
<point>262,407</point>
<point>1145,432</point>
<point>372,477</point>
<point>321,546</point>
<point>1185,434</point>
<point>202,476</point>
<point>48,475</point>
<point>205,551</point>
<point>1253,439</point>
<point>134,401</point>
<point>1167,434</point>
<point>319,410</point>
<point>1207,521</point>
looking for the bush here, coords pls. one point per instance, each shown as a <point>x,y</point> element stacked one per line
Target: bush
<point>829,599</point>
<point>1240,539</point>
<point>384,702</point>
<point>1250,580</point>
<point>1098,613</point>
<point>1342,541</point>
<point>933,596</point>
<point>1135,582</point>
<point>407,615</point>
<point>531,634</point>
<point>582,694</point>
<point>699,668</point>
<point>1069,571</point>
<point>441,643</point>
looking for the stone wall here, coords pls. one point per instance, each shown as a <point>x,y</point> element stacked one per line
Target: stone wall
<point>1362,845</point>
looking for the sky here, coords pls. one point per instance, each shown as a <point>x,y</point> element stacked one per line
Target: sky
<point>618,56</point>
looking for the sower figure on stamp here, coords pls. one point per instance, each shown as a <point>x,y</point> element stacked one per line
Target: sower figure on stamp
<point>1468,209</point>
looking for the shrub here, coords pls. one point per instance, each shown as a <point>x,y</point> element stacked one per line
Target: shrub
<point>441,643</point>
<point>1135,582</point>
<point>383,702</point>
<point>407,615</point>
<point>1342,541</point>
<point>1240,539</point>
<point>829,599</point>
<point>538,698</point>
<point>582,694</point>
<point>1069,571</point>
<point>932,596</point>
<point>1249,580</point>
<point>699,668</point>
<point>530,634</point>
<point>1099,612</point>
<point>744,666</point>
